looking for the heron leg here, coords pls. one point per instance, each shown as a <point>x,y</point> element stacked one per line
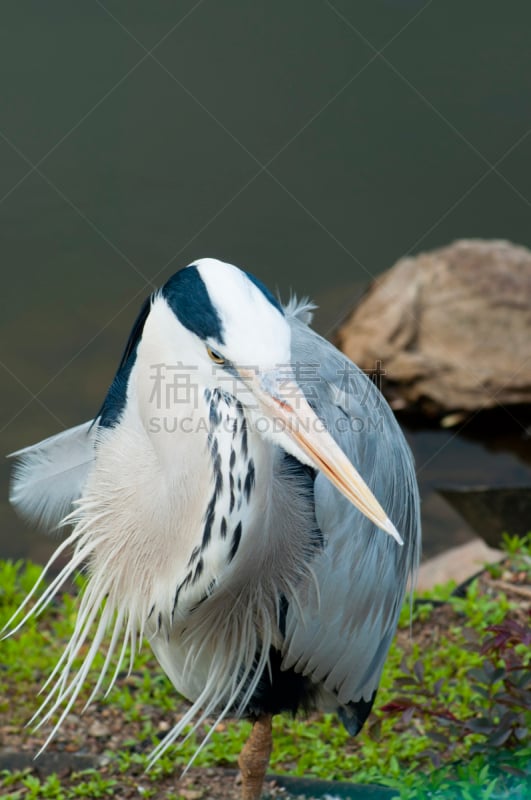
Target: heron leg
<point>254,758</point>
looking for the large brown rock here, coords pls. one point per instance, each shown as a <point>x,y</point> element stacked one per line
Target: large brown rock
<point>451,328</point>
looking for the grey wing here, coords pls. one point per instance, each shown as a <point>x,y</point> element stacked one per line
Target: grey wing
<point>49,476</point>
<point>340,633</point>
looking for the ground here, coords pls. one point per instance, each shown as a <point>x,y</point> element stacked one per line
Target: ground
<point>114,737</point>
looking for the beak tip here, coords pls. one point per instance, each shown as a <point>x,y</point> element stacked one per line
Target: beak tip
<point>392,531</point>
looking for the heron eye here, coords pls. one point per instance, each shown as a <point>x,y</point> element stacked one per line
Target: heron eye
<point>216,357</point>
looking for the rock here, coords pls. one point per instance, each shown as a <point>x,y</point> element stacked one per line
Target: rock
<point>492,511</point>
<point>456,564</point>
<point>451,328</point>
<point>313,788</point>
<point>99,730</point>
<point>48,762</point>
<point>191,794</point>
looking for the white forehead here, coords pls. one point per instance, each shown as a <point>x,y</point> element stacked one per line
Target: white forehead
<point>252,325</point>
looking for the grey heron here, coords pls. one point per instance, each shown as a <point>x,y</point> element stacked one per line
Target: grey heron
<point>218,505</point>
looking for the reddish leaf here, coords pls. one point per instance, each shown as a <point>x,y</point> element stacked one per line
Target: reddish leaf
<point>498,738</point>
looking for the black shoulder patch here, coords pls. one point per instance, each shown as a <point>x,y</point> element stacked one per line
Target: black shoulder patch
<point>265,291</point>
<point>113,405</point>
<point>188,298</point>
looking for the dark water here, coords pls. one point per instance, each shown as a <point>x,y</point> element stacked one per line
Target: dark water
<point>313,146</point>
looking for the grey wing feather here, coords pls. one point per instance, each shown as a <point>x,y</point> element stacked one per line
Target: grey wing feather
<point>340,634</point>
<point>48,476</point>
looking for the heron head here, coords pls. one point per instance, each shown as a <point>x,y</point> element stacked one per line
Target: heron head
<point>229,333</point>
<point>229,317</point>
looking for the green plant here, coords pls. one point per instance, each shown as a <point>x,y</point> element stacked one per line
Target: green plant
<point>516,545</point>
<point>498,713</point>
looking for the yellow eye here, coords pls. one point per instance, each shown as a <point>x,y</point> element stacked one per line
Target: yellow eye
<point>215,356</point>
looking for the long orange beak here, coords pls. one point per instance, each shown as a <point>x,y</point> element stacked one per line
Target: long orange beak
<point>304,427</point>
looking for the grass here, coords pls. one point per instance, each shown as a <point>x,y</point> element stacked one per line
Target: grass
<point>437,730</point>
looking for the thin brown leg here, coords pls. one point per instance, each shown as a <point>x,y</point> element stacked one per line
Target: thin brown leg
<point>254,758</point>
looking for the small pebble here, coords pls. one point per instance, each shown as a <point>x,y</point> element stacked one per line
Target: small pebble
<point>99,729</point>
